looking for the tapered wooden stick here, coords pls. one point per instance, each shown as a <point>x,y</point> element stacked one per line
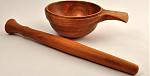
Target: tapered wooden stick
<point>72,47</point>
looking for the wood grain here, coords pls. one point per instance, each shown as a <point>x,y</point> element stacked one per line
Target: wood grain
<point>72,47</point>
<point>75,19</point>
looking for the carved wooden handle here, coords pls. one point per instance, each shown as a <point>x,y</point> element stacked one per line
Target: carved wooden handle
<point>72,47</point>
<point>114,15</point>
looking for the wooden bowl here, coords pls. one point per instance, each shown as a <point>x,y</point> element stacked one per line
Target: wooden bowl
<point>74,19</point>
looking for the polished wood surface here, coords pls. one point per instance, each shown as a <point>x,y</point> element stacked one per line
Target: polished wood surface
<point>74,19</point>
<point>72,47</point>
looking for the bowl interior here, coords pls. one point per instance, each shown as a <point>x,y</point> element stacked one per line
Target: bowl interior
<point>73,8</point>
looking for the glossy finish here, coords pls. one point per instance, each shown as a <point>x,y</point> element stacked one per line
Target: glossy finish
<point>74,19</point>
<point>72,47</point>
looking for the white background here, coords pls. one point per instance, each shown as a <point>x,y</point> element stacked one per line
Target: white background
<point>22,57</point>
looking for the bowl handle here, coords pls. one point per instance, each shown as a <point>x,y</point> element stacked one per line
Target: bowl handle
<point>114,15</point>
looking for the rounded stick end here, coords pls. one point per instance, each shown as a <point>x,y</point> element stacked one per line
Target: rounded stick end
<point>9,26</point>
<point>136,70</point>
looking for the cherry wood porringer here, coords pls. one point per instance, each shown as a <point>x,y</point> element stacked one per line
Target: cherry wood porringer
<point>74,19</point>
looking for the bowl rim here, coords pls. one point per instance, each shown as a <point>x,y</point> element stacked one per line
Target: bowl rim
<point>72,17</point>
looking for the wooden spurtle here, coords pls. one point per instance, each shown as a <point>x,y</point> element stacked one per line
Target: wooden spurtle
<point>72,47</point>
